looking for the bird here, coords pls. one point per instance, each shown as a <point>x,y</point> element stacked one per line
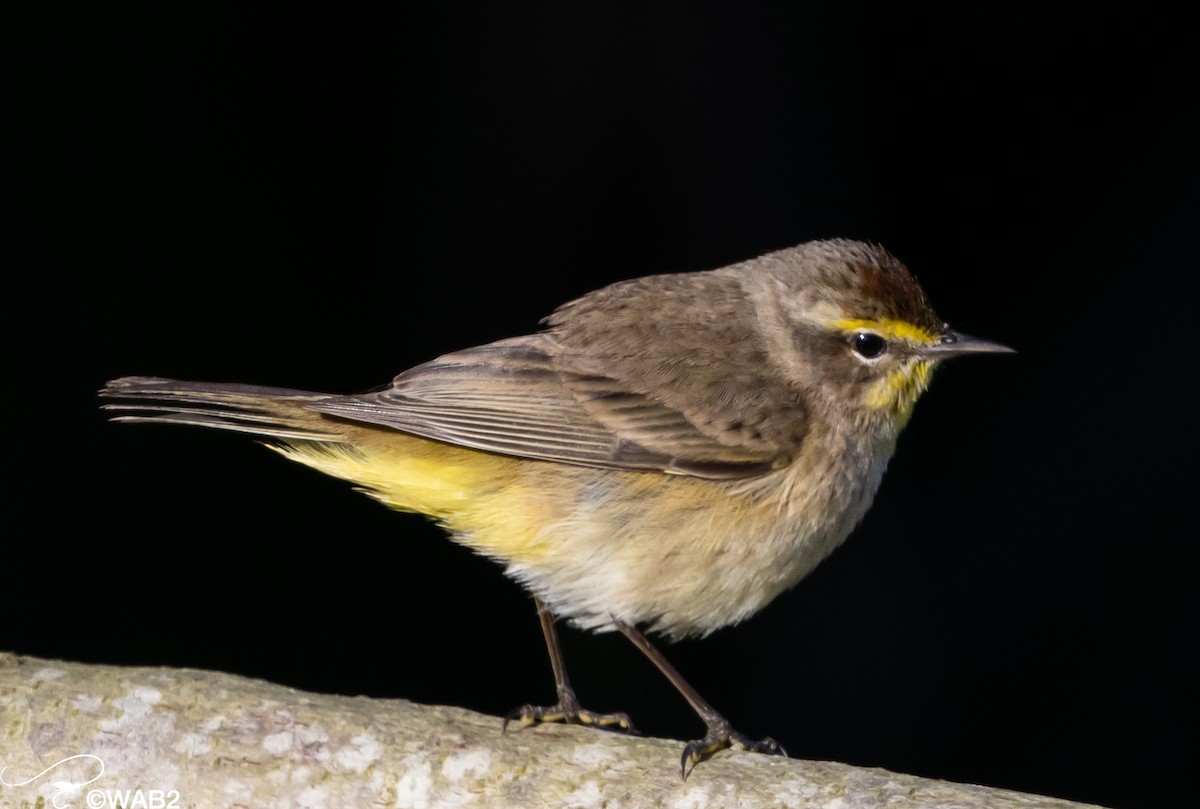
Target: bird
<point>665,456</point>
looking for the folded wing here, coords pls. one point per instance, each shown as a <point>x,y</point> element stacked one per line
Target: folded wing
<point>521,397</point>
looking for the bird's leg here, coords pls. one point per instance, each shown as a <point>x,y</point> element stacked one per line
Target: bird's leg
<point>567,709</point>
<point>720,735</point>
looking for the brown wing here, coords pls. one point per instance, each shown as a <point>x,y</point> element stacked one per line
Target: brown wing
<point>521,397</point>
<point>692,343</point>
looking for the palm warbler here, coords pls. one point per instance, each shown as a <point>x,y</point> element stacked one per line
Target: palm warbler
<point>672,451</point>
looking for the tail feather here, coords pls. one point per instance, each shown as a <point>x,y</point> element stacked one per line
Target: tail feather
<point>273,412</point>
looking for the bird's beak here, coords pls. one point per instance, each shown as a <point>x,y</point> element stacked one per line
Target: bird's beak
<point>954,344</point>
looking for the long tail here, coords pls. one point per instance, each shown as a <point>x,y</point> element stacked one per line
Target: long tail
<point>274,412</point>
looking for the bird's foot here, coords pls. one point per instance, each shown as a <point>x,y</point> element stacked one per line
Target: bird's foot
<point>721,736</point>
<point>568,711</point>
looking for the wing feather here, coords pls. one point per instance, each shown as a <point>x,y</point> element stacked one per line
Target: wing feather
<point>513,397</point>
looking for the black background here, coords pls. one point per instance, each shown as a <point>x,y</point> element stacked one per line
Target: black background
<point>319,198</point>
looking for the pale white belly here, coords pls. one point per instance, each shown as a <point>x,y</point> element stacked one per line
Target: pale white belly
<point>690,562</point>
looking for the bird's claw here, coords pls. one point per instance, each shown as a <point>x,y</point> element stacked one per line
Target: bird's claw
<point>530,715</point>
<point>721,738</point>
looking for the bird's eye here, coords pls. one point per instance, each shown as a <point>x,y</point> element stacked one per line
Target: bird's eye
<point>869,346</point>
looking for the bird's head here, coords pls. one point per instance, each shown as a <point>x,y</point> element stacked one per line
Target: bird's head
<point>852,327</point>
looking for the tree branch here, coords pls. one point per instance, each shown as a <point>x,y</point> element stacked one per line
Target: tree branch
<point>208,739</point>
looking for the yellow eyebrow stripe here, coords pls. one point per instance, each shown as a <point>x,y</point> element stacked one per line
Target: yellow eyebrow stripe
<point>889,329</point>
